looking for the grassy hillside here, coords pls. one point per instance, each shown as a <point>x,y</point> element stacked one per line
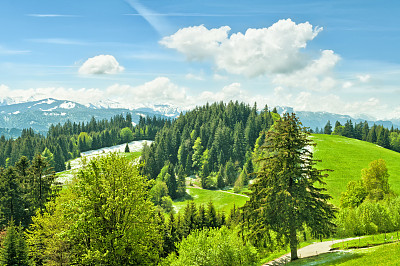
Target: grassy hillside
<point>381,255</point>
<point>223,201</point>
<point>347,157</point>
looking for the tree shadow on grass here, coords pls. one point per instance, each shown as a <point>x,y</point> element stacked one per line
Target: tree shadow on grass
<point>184,198</point>
<point>332,258</point>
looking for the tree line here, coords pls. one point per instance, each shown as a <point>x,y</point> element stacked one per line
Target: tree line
<point>214,142</point>
<point>384,137</point>
<point>67,141</point>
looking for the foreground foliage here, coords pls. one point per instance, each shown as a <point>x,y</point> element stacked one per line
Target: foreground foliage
<point>213,247</point>
<point>105,218</point>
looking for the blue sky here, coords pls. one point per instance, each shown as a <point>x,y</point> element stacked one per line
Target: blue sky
<point>335,56</point>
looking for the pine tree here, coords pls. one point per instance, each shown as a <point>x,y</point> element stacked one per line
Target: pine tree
<point>212,220</point>
<point>328,128</point>
<point>12,203</point>
<point>221,178</point>
<point>181,182</point>
<point>15,251</point>
<point>283,198</point>
<point>127,148</point>
<point>59,160</point>
<point>230,173</point>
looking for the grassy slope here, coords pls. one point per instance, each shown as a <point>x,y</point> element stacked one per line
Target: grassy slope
<point>222,201</point>
<point>347,157</point>
<point>381,255</point>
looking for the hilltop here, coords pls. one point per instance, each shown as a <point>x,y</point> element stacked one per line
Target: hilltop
<point>347,157</point>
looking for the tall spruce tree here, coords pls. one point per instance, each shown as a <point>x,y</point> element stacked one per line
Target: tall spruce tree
<point>283,198</point>
<point>328,128</point>
<point>14,251</point>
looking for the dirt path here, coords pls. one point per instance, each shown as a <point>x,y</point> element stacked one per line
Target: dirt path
<point>309,251</point>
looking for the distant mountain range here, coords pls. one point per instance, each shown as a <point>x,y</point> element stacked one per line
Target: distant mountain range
<point>16,114</point>
<point>319,119</point>
<point>39,115</point>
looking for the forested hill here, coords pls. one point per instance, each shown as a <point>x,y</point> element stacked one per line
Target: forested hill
<point>66,141</point>
<point>207,138</point>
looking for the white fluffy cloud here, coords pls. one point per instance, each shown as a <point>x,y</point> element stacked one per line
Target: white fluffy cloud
<point>317,76</point>
<point>159,90</point>
<point>277,49</point>
<point>364,78</point>
<point>230,92</point>
<point>307,101</point>
<point>101,64</point>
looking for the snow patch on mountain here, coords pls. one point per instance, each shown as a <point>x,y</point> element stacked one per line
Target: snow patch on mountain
<point>47,101</point>
<point>67,105</point>
<point>48,110</point>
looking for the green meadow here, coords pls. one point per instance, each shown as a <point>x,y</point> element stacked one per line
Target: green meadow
<point>380,255</point>
<point>222,200</point>
<point>347,157</point>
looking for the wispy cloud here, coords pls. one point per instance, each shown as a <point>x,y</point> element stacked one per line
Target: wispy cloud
<point>188,15</point>
<point>60,41</point>
<point>161,25</point>
<point>6,51</point>
<point>50,15</point>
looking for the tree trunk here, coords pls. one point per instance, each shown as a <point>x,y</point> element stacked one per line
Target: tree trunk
<point>293,243</point>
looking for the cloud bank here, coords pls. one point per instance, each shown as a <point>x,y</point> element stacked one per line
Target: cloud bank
<point>278,49</point>
<point>101,64</point>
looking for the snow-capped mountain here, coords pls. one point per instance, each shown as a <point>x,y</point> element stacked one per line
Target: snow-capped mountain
<point>40,114</point>
<point>319,119</point>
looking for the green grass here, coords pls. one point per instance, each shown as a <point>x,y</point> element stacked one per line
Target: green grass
<point>367,241</point>
<point>222,201</point>
<point>131,156</point>
<point>66,175</point>
<point>388,254</point>
<point>347,157</point>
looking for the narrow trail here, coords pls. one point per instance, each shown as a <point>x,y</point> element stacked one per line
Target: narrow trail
<point>309,251</point>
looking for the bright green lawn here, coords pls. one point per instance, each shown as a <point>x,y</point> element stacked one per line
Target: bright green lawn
<point>222,201</point>
<point>347,157</point>
<point>388,254</point>
<point>370,240</point>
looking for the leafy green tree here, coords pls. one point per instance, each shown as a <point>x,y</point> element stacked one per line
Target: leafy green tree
<point>85,142</point>
<point>158,191</point>
<point>126,135</point>
<point>14,251</point>
<point>354,195</point>
<point>49,157</point>
<point>46,236</point>
<point>197,154</point>
<point>114,222</point>
<point>213,247</point>
<point>376,179</point>
<point>205,169</point>
<point>283,198</point>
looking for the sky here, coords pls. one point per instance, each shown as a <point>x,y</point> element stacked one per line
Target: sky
<point>334,56</point>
